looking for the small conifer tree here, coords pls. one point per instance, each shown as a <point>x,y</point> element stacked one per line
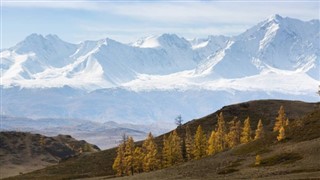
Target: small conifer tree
<point>246,131</point>
<point>259,131</point>
<point>221,133</point>
<point>212,143</point>
<point>150,160</point>
<point>238,132</point>
<point>280,120</point>
<point>119,162</point>
<point>233,136</point>
<point>172,152</point>
<point>282,134</point>
<point>258,160</point>
<point>138,160</point>
<point>175,142</point>
<point>129,156</point>
<point>200,143</point>
<point>189,144</point>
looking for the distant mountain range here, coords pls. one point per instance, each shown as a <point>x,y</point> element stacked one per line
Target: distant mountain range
<point>153,80</point>
<point>105,135</point>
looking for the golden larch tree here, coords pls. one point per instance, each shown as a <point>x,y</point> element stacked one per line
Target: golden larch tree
<point>280,119</point>
<point>233,136</point>
<point>175,142</point>
<point>238,132</point>
<point>119,162</point>
<point>150,160</point>
<point>221,133</point>
<point>138,157</point>
<point>171,152</point>
<point>258,160</point>
<point>282,134</point>
<point>246,131</point>
<point>166,152</point>
<point>259,131</point>
<point>129,156</point>
<point>189,144</point>
<point>212,143</point>
<point>200,143</point>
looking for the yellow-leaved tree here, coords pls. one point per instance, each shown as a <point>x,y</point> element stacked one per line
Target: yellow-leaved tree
<point>138,160</point>
<point>189,144</point>
<point>176,148</point>
<point>200,143</point>
<point>282,134</point>
<point>280,120</point>
<point>259,131</point>
<point>258,160</point>
<point>221,133</point>
<point>233,136</point>
<point>238,132</point>
<point>119,162</point>
<point>150,160</point>
<point>212,143</point>
<point>171,152</point>
<point>246,131</point>
<point>129,156</point>
<point>166,152</point>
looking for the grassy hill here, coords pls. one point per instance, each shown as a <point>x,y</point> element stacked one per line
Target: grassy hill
<point>235,160</point>
<point>296,158</point>
<point>22,152</point>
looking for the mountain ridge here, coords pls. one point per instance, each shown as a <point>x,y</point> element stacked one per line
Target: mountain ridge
<point>105,77</point>
<point>279,43</point>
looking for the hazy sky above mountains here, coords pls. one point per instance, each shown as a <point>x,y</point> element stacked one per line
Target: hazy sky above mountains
<point>126,21</point>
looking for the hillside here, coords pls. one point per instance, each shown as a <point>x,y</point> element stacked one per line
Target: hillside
<point>23,152</point>
<point>100,163</point>
<point>295,158</point>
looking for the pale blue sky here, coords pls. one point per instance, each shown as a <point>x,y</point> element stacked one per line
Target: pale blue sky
<point>127,21</point>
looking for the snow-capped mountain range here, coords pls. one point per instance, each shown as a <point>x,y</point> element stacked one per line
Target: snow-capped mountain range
<point>158,77</point>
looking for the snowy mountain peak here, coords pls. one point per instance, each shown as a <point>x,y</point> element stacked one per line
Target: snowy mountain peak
<point>41,45</point>
<point>162,41</point>
<point>33,37</point>
<point>52,37</point>
<point>276,43</point>
<point>172,40</point>
<point>275,18</point>
<point>148,42</point>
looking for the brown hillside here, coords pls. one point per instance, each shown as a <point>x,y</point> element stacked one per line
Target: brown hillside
<point>266,110</point>
<point>24,152</point>
<point>100,164</point>
<point>298,157</point>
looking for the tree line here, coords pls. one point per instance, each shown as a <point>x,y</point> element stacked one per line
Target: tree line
<point>131,159</point>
